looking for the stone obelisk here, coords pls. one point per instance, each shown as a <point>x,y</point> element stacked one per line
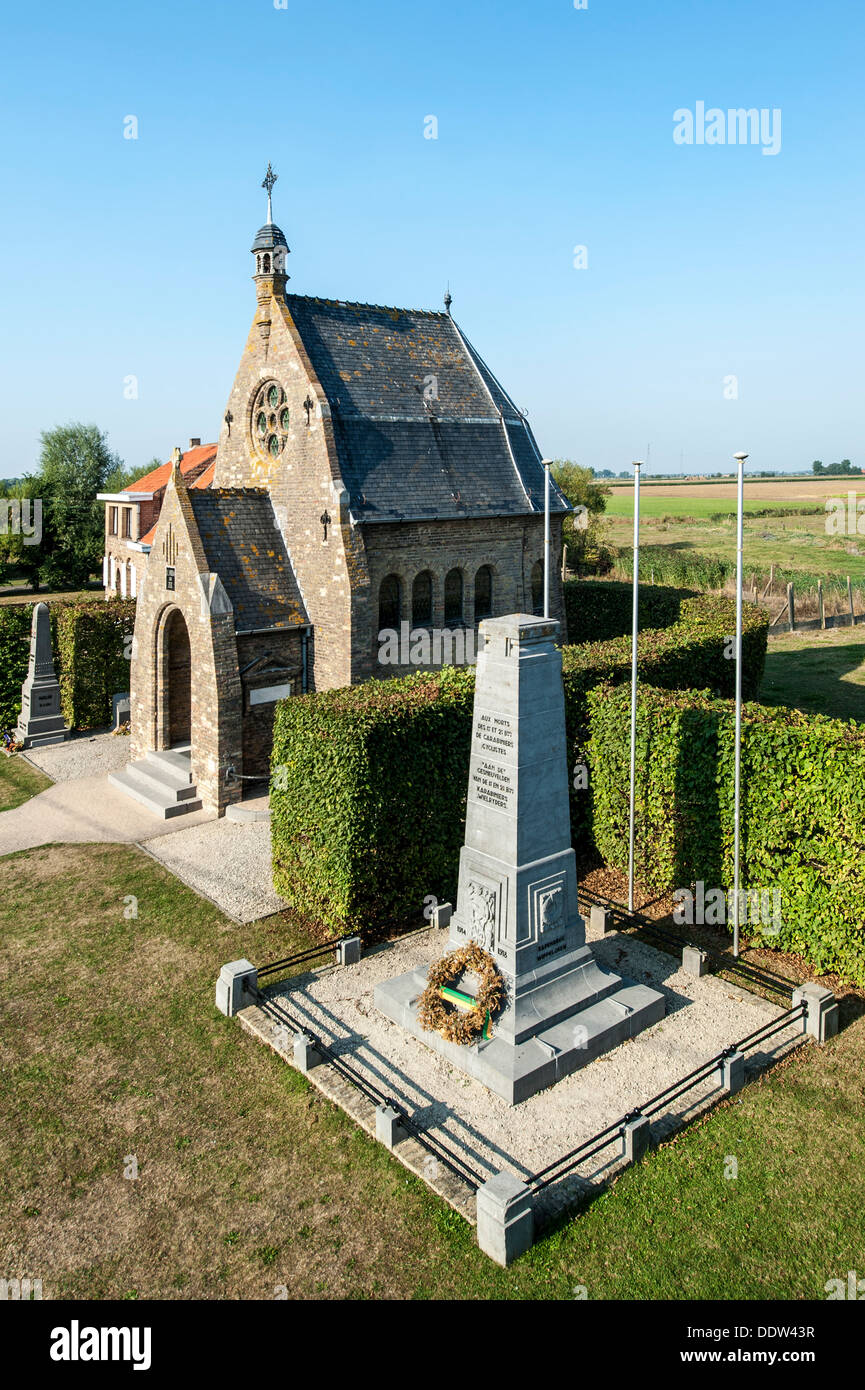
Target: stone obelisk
<point>41,721</point>
<point>517,895</point>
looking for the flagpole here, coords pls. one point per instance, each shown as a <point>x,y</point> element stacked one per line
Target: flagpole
<point>740,459</point>
<point>634,626</point>
<point>547,463</point>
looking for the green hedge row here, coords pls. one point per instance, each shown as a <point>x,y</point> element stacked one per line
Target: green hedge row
<point>91,657</point>
<point>803,811</point>
<point>690,655</point>
<point>15,622</point>
<point>367,809</point>
<point>368,783</point>
<point>93,653</point>
<point>599,609</point>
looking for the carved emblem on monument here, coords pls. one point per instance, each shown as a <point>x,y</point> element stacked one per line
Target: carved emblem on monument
<point>482,914</point>
<point>552,909</point>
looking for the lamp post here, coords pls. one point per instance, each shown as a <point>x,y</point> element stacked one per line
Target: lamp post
<point>740,460</point>
<point>636,466</point>
<point>547,463</point>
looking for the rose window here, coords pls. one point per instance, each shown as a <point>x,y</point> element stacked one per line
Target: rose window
<point>270,419</point>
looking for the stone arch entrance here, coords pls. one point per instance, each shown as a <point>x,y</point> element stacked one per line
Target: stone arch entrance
<point>173,682</point>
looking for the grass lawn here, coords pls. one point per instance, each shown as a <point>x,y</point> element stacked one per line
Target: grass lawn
<point>19,781</point>
<point>819,672</point>
<point>248,1179</point>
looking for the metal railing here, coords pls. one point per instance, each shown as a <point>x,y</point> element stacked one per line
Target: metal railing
<point>754,974</point>
<point>615,1132</point>
<point>300,957</point>
<point>280,1012</point>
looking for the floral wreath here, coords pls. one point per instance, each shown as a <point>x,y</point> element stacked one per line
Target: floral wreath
<point>436,1016</point>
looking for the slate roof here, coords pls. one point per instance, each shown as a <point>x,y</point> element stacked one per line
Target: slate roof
<point>468,452</point>
<point>244,546</point>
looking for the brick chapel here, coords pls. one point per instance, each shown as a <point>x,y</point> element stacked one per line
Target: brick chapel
<point>370,474</point>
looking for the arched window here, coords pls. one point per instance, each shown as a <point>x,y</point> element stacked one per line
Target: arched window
<point>422,600</point>
<point>389,604</point>
<point>537,589</point>
<point>483,593</point>
<point>267,265</point>
<point>453,597</point>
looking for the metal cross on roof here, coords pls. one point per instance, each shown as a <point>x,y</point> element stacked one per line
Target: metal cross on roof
<point>267,182</point>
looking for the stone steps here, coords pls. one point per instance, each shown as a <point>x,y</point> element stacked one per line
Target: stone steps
<point>160,781</point>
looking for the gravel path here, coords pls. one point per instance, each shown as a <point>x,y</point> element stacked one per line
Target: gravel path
<point>703,1017</point>
<point>83,755</point>
<point>227,862</point>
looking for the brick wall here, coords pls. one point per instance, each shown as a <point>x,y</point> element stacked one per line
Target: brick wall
<point>509,546</point>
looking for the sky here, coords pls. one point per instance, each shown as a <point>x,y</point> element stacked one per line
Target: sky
<point>716,306</point>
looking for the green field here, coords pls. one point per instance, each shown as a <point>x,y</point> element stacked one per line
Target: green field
<point>688,526</point>
<point>621,503</point>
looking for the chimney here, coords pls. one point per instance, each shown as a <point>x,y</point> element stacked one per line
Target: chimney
<point>195,443</point>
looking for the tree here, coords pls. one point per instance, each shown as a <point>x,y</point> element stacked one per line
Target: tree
<point>817,467</point>
<point>21,530</point>
<point>586,531</point>
<point>75,463</point>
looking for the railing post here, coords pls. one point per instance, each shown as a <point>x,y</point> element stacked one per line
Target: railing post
<point>733,1072</point>
<point>506,1220</point>
<point>348,950</point>
<point>821,1006</point>
<point>791,607</point>
<point>235,986</point>
<point>637,1136</point>
<point>389,1129</point>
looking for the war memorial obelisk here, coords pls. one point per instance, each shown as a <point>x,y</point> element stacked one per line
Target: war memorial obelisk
<point>41,721</point>
<point>517,895</point>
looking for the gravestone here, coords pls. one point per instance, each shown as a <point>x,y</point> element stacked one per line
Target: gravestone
<point>517,895</point>
<point>121,710</point>
<point>41,721</point>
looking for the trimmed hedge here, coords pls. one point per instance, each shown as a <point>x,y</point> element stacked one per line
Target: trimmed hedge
<point>15,623</point>
<point>598,609</point>
<point>690,655</point>
<point>368,783</point>
<point>91,657</point>
<point>367,813</point>
<point>803,810</point>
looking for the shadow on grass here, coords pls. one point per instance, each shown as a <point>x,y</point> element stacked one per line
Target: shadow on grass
<point>812,679</point>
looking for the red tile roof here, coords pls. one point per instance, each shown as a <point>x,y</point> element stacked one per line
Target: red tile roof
<point>193,459</point>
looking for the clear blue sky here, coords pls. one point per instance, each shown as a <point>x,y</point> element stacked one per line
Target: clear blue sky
<point>555,129</point>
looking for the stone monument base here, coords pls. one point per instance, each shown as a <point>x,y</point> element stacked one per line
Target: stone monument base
<point>33,734</point>
<point>581,1012</point>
